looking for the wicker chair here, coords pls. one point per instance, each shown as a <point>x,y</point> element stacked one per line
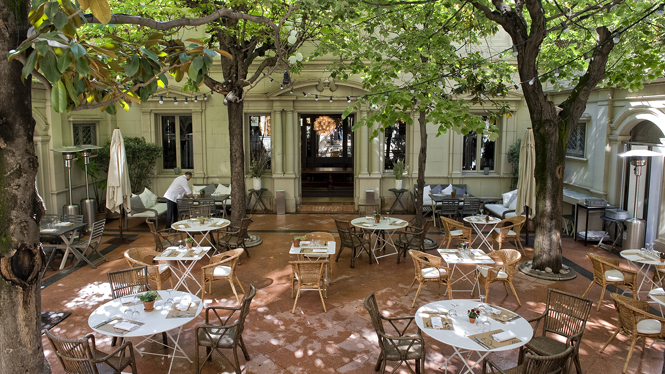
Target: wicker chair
<point>224,332</point>
<point>222,266</point>
<point>412,238</point>
<point>454,230</point>
<point>309,275</point>
<point>163,238</point>
<point>607,271</point>
<point>350,238</point>
<point>320,235</point>
<point>534,364</point>
<point>234,236</point>
<point>157,273</point>
<point>565,316</point>
<point>501,272</point>
<point>398,345</point>
<point>200,210</point>
<point>636,321</point>
<point>81,356</point>
<point>428,268</point>
<point>509,229</point>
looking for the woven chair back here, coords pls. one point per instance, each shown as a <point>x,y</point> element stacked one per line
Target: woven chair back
<point>128,281</point>
<point>566,314</point>
<point>75,355</point>
<point>344,229</point>
<point>554,364</point>
<point>375,315</point>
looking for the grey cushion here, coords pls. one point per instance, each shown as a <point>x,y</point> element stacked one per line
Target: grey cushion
<point>136,202</point>
<point>210,189</point>
<point>437,190</point>
<point>461,191</point>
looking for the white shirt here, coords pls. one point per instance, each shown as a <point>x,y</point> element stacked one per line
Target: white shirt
<point>178,189</point>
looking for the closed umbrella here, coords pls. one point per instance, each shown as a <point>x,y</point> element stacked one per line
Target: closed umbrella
<point>118,187</point>
<point>526,184</point>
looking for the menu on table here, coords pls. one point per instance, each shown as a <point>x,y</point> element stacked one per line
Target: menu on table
<point>437,320</point>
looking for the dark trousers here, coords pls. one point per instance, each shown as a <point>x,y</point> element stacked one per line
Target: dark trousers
<point>171,213</point>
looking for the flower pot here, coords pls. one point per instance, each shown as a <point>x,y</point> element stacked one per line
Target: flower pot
<point>472,320</point>
<point>662,260</point>
<point>202,194</point>
<point>377,219</point>
<point>453,194</point>
<point>149,306</point>
<point>190,244</point>
<point>257,183</point>
<point>296,243</point>
<point>398,184</point>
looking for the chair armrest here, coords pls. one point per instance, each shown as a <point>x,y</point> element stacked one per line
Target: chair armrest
<point>233,309</point>
<point>537,321</point>
<point>493,367</point>
<point>503,215</point>
<point>215,264</point>
<point>113,354</point>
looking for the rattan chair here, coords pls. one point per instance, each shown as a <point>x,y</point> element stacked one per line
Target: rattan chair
<point>222,266</point>
<point>80,356</point>
<point>350,238</point>
<point>454,230</point>
<point>429,268</point>
<point>534,364</point>
<point>636,321</point>
<point>607,271</point>
<point>163,238</point>
<point>501,272</point>
<point>309,275</point>
<point>398,345</point>
<point>224,331</point>
<point>509,229</point>
<point>234,236</point>
<point>565,317</point>
<point>412,238</point>
<point>158,273</point>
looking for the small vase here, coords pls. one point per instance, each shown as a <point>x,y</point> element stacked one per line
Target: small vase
<point>296,243</point>
<point>202,194</point>
<point>662,260</point>
<point>472,320</point>
<point>149,306</point>
<point>453,194</point>
<point>377,219</point>
<point>257,183</point>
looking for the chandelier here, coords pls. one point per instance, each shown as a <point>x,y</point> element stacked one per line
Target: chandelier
<point>324,125</point>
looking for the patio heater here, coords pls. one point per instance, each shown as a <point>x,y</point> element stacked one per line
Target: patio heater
<point>89,205</point>
<point>69,154</point>
<point>636,227</point>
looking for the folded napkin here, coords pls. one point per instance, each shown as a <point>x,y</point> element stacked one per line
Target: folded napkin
<point>303,242</point>
<point>127,326</point>
<point>319,250</point>
<point>184,304</point>
<point>63,224</point>
<point>198,250</point>
<point>437,323</point>
<point>658,292</point>
<point>47,230</point>
<point>495,311</point>
<point>503,336</point>
<point>182,226</point>
<point>397,223</point>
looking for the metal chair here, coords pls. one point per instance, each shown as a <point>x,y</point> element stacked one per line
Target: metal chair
<point>534,364</point>
<point>412,238</point>
<point>158,273</point>
<point>92,242</point>
<point>429,268</point>
<point>183,208</point>
<point>224,331</point>
<point>398,345</point>
<point>509,229</point>
<point>81,356</point>
<point>607,271</point>
<point>234,236</point>
<point>309,275</point>
<point>447,206</point>
<point>222,266</point>
<point>350,238</point>
<point>163,238</point>
<point>454,230</point>
<point>471,207</point>
<point>501,272</point>
<point>565,315</point>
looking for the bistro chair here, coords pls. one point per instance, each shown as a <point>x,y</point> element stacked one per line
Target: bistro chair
<point>235,236</point>
<point>201,210</point>
<point>534,364</point>
<point>447,206</point>
<point>92,242</point>
<point>158,273</point>
<point>80,356</point>
<point>222,266</point>
<point>454,230</point>
<point>163,238</point>
<point>350,238</point>
<point>221,331</point>
<point>429,268</point>
<point>565,317</point>
<point>509,229</point>
<point>412,237</point>
<point>397,345</point>
<point>183,208</point>
<point>309,275</point>
<point>470,207</point>
<point>502,271</point>
<point>636,321</point>
<point>607,271</point>
<point>73,218</point>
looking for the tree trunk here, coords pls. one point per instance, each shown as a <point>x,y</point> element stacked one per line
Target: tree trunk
<point>21,257</point>
<point>237,156</point>
<point>422,162</point>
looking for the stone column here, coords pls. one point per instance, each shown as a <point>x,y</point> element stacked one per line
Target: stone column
<point>290,144</point>
<point>276,131</point>
<point>362,148</point>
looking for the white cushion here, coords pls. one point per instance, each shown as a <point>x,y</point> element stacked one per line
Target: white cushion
<point>456,232</point>
<point>159,207</point>
<point>512,204</point>
<point>648,326</point>
<point>196,189</point>
<point>614,276</point>
<point>432,273</point>
<point>148,198</point>
<point>448,190</point>
<point>483,270</point>
<point>510,232</point>
<point>426,199</point>
<point>221,271</point>
<point>222,190</point>
<point>163,267</point>
<point>495,209</point>
<point>507,196</point>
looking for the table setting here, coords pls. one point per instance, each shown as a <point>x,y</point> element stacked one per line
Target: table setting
<point>479,223</point>
<point>464,256</point>
<point>383,240</point>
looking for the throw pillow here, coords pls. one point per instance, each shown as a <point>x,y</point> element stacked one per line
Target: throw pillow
<point>222,190</point>
<point>513,202</point>
<point>507,196</point>
<point>460,192</point>
<point>209,189</point>
<point>437,189</point>
<point>136,202</point>
<point>448,190</point>
<point>196,189</point>
<point>148,198</point>
<point>426,199</point>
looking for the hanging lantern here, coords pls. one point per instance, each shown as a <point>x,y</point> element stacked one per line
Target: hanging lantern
<point>324,125</point>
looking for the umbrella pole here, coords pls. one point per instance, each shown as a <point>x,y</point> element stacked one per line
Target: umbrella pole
<point>526,226</point>
<point>122,213</point>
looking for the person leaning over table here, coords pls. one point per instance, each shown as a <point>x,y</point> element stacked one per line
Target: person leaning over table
<point>177,190</point>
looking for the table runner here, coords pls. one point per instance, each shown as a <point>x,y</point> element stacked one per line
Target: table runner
<point>109,324</point>
<point>486,338</point>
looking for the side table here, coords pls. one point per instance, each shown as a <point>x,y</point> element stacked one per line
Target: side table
<point>398,198</point>
<point>618,231</point>
<point>257,199</point>
<point>588,209</point>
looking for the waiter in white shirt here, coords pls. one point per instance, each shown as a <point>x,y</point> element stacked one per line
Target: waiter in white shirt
<point>178,189</point>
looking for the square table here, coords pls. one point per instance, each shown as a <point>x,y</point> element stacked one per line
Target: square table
<point>180,268</point>
<point>309,250</point>
<point>66,231</point>
<point>474,257</point>
<point>193,226</point>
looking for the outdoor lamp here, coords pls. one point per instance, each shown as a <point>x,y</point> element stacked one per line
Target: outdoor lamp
<point>89,205</point>
<point>69,154</point>
<point>287,78</point>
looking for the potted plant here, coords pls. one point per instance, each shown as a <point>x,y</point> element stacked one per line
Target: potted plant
<point>202,193</point>
<point>398,171</point>
<point>148,300</point>
<point>377,217</point>
<point>487,218</point>
<point>256,169</point>
<point>201,219</point>
<point>296,241</point>
<point>189,242</point>
<point>662,256</point>
<point>460,246</point>
<point>453,193</point>
<point>473,314</point>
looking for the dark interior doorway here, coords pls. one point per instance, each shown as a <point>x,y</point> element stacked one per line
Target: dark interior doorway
<point>327,155</point>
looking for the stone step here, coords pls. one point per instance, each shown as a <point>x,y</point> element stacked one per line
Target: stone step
<point>327,207</point>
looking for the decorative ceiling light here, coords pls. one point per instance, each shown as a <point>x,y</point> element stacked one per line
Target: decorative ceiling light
<point>324,125</point>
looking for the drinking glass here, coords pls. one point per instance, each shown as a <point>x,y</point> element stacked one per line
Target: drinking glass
<point>453,312</point>
<point>181,245</point>
<point>128,313</point>
<point>482,302</point>
<point>136,315</point>
<point>170,300</point>
<point>483,323</point>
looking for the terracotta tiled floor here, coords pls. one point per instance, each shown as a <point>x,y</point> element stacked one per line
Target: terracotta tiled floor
<point>342,340</point>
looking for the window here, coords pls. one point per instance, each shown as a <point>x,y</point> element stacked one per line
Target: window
<point>177,142</point>
<point>395,144</point>
<point>259,138</point>
<point>478,152</point>
<point>577,141</point>
<point>85,133</point>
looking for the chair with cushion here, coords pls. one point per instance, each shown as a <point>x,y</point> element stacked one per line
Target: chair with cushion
<point>163,238</point>
<point>412,237</point>
<point>222,331</point>
<point>563,321</point>
<point>350,238</point>
<point>636,321</point>
<point>509,229</point>
<point>158,273</point>
<point>607,271</point>
<point>222,266</point>
<point>534,364</point>
<point>80,356</point>
<point>502,271</point>
<point>429,268</point>
<point>470,207</point>
<point>309,275</point>
<point>92,241</point>
<point>454,230</point>
<point>398,344</point>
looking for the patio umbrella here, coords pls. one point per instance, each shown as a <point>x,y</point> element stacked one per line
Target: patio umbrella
<point>526,184</point>
<point>118,187</point>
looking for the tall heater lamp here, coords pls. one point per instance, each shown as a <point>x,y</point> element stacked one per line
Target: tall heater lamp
<point>69,154</point>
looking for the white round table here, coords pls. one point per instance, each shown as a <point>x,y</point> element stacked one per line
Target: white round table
<point>458,338</point>
<point>387,224</point>
<point>642,261</point>
<point>193,226</point>
<point>479,223</point>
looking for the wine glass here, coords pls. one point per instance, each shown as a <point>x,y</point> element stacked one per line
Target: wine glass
<point>482,302</point>
<point>170,300</point>
<point>453,312</point>
<point>136,315</point>
<point>181,245</point>
<point>483,323</point>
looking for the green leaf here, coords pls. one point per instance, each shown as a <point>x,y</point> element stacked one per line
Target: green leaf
<point>64,61</point>
<point>37,3</point>
<point>82,66</point>
<point>195,67</point>
<point>71,91</point>
<point>60,20</point>
<point>42,47</point>
<point>59,97</point>
<point>29,64</point>
<point>152,55</point>
<point>48,66</point>
<point>210,52</point>
<point>132,66</point>
<point>78,50</point>
<point>51,9</point>
<point>164,80</point>
<point>183,57</point>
